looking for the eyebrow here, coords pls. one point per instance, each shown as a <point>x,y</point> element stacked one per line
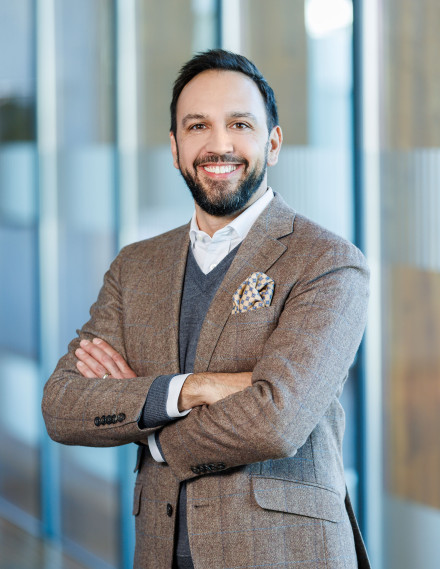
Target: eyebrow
<point>193,116</point>
<point>235,115</point>
<point>243,115</point>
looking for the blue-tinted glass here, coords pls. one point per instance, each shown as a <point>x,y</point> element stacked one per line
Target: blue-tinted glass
<point>86,234</point>
<point>19,393</point>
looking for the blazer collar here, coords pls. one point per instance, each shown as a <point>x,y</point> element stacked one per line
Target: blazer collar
<point>258,252</point>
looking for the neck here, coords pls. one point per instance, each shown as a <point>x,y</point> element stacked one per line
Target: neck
<point>211,223</point>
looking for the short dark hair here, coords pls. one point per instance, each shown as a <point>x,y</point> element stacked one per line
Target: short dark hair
<point>222,60</point>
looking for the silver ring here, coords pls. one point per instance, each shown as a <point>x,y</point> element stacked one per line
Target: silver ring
<point>106,375</point>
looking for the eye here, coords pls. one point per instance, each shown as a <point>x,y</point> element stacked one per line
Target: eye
<point>197,126</point>
<point>240,125</point>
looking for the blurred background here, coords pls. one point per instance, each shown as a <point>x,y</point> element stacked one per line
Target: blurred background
<point>85,168</point>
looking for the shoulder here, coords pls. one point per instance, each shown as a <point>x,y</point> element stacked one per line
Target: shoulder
<point>150,256</point>
<point>160,245</point>
<point>316,250</point>
<point>312,236</point>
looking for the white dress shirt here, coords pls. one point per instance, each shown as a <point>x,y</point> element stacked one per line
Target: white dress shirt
<point>209,252</point>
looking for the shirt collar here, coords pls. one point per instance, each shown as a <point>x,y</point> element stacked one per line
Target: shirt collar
<point>239,227</point>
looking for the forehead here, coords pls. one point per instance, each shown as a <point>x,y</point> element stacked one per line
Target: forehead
<point>216,91</point>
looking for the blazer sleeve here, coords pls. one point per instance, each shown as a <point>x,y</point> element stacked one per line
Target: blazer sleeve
<point>304,364</point>
<point>96,412</point>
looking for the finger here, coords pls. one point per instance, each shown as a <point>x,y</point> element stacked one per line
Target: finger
<point>101,358</point>
<point>124,368</point>
<point>98,361</point>
<point>95,366</point>
<point>84,370</point>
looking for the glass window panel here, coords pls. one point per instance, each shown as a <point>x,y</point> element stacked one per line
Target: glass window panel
<point>19,394</point>
<point>85,87</point>
<point>19,456</point>
<point>409,196</point>
<point>17,82</point>
<point>85,170</point>
<point>90,500</point>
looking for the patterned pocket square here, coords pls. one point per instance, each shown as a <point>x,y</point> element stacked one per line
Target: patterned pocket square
<point>255,292</point>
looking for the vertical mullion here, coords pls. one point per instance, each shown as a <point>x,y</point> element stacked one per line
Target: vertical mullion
<point>369,215</point>
<point>359,369</point>
<point>127,120</point>
<point>219,23</point>
<point>230,28</point>
<point>48,230</point>
<point>126,215</point>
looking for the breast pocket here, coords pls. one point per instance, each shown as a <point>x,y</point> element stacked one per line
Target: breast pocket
<point>242,341</point>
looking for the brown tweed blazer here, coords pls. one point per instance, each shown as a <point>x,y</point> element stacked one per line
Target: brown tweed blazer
<point>264,472</point>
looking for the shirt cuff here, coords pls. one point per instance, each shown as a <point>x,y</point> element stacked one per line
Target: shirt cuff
<point>174,389</point>
<point>154,449</point>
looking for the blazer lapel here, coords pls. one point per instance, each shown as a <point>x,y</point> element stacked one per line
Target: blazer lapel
<point>258,252</point>
<point>155,303</point>
<point>179,254</point>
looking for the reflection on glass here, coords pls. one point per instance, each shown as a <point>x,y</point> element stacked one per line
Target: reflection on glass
<point>323,17</point>
<point>19,459</point>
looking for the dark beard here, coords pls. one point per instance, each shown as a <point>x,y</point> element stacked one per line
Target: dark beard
<point>225,203</point>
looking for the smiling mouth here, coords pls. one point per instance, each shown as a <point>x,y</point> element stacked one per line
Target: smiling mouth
<point>223,169</point>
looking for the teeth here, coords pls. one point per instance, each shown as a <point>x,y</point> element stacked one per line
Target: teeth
<point>220,169</point>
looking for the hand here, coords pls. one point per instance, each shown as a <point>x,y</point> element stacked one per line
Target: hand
<point>98,358</point>
<point>208,388</point>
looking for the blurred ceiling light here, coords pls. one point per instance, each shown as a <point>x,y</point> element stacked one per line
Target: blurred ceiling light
<point>323,17</point>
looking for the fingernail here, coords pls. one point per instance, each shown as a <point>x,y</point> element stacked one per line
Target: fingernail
<point>79,352</point>
<point>84,343</point>
<point>97,340</point>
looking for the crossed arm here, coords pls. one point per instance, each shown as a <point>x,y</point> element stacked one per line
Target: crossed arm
<point>97,358</point>
<point>297,378</point>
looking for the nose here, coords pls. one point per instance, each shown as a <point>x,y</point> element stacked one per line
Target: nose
<point>219,141</point>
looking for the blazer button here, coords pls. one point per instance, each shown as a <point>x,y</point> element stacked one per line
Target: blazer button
<point>169,510</point>
<point>108,419</point>
<point>121,417</point>
<point>97,421</point>
<point>195,469</point>
<point>114,419</point>
<point>103,420</point>
<point>221,466</point>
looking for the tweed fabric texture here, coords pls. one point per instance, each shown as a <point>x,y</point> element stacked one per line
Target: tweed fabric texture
<point>255,292</point>
<point>198,291</point>
<point>279,438</point>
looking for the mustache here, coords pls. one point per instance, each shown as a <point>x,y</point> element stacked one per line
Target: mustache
<point>220,158</point>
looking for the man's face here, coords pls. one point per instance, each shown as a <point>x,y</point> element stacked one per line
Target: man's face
<point>223,146</point>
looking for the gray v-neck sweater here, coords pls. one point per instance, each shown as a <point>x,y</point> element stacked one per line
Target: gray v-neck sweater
<point>198,292</point>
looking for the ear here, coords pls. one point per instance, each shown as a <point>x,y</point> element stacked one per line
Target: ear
<point>174,151</point>
<point>275,142</point>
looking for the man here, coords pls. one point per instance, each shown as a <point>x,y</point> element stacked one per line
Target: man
<point>221,348</point>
